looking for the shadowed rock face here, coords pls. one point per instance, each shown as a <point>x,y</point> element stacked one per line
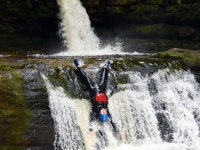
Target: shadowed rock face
<point>156,25</point>
<point>25,117</point>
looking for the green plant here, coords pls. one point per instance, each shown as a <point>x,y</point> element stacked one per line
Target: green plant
<point>178,1</point>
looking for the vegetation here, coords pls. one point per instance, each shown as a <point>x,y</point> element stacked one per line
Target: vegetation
<point>14,116</point>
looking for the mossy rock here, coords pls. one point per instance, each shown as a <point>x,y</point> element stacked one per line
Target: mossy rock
<point>14,115</point>
<point>192,57</point>
<point>24,107</point>
<point>8,30</point>
<point>16,51</point>
<point>12,147</point>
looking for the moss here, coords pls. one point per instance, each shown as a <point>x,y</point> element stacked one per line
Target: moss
<point>189,56</point>
<point>16,51</point>
<point>164,55</point>
<point>64,78</point>
<point>14,116</point>
<point>12,147</point>
<point>156,30</point>
<point>185,32</point>
<point>8,30</point>
<point>11,83</point>
<point>178,1</point>
<point>156,2</point>
<point>7,68</point>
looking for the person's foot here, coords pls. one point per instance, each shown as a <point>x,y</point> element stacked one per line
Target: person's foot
<point>76,62</point>
<point>106,64</point>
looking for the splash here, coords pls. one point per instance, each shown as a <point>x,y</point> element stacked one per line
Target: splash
<point>163,146</point>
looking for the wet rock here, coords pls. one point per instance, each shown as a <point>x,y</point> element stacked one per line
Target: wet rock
<point>183,13</point>
<point>164,127</point>
<point>25,117</point>
<point>41,128</point>
<point>191,58</point>
<point>35,90</point>
<point>8,30</point>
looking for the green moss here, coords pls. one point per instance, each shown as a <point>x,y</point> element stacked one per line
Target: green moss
<point>164,55</point>
<point>119,10</point>
<point>156,30</point>
<point>14,116</point>
<point>178,1</point>
<point>64,79</point>
<point>7,68</point>
<point>8,30</point>
<point>11,83</point>
<point>187,55</point>
<point>12,148</point>
<point>18,125</point>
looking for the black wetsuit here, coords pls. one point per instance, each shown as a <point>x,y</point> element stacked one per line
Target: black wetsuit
<point>95,89</point>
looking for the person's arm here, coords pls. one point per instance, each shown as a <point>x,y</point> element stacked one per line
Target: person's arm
<point>91,132</point>
<point>93,115</point>
<point>112,123</point>
<point>116,130</point>
<point>93,118</point>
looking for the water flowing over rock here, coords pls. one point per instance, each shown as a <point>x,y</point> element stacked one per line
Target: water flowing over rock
<point>28,119</point>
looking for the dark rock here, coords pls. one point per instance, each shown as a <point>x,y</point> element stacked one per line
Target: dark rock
<point>164,127</point>
<point>35,90</point>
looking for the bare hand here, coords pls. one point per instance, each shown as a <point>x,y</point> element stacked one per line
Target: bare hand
<point>91,135</point>
<point>122,137</point>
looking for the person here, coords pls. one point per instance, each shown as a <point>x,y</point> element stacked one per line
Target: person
<point>98,96</point>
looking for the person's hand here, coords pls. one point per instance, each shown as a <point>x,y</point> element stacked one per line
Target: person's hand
<point>91,135</point>
<point>122,137</point>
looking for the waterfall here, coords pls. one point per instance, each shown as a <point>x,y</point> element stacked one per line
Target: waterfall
<point>68,115</point>
<point>175,95</point>
<point>153,111</point>
<point>77,33</point>
<point>159,109</point>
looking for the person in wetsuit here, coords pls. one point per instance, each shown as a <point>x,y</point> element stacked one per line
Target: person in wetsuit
<point>99,99</point>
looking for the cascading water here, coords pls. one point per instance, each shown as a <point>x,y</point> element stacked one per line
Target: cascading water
<point>174,95</point>
<point>153,111</point>
<point>75,27</point>
<point>67,113</point>
<point>77,33</point>
<point>157,110</point>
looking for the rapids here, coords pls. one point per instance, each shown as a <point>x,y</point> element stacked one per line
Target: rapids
<point>158,111</point>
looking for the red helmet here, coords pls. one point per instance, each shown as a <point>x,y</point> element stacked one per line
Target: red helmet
<point>100,97</point>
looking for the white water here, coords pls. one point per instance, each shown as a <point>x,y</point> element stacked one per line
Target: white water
<point>77,33</point>
<point>67,114</point>
<point>180,93</point>
<point>133,110</point>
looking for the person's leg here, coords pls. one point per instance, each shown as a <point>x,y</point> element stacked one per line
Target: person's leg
<point>88,82</point>
<point>103,79</point>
